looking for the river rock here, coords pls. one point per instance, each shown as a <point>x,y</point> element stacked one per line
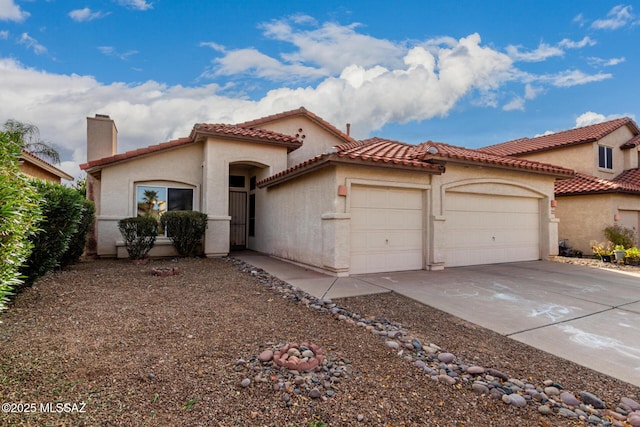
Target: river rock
<point>593,400</point>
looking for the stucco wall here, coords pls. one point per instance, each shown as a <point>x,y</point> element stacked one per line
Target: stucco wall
<point>584,218</point>
<point>583,158</point>
<point>219,156</point>
<point>289,217</point>
<point>117,188</point>
<point>316,139</point>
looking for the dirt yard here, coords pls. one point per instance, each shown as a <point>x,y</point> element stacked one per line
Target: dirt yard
<point>107,343</point>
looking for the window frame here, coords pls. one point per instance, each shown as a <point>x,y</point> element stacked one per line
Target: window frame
<point>605,157</point>
<point>162,187</point>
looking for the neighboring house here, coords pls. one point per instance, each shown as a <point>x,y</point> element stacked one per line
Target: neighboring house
<point>606,188</point>
<point>34,167</point>
<point>293,186</point>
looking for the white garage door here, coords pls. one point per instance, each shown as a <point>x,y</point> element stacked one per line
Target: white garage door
<point>386,229</point>
<point>489,229</point>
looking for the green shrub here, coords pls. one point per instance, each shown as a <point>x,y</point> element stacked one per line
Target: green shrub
<point>620,235</point>
<point>139,235</point>
<point>62,210</point>
<point>185,229</point>
<point>79,238</point>
<point>19,215</point>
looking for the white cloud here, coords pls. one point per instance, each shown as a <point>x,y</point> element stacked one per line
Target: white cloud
<point>570,78</point>
<point>215,46</point>
<point>570,44</point>
<point>592,118</point>
<point>532,92</point>
<point>619,16</point>
<point>516,103</point>
<point>255,63</point>
<point>579,19</point>
<point>30,42</point>
<point>136,4</point>
<point>595,61</point>
<point>111,51</point>
<point>9,11</point>
<point>4,35</point>
<point>541,53</point>
<point>85,15</point>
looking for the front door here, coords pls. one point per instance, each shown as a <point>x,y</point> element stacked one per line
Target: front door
<point>238,214</point>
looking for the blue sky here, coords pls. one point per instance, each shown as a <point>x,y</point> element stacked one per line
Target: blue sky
<point>468,73</point>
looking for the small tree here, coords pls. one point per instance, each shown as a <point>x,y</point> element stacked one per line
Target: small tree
<point>27,136</point>
<point>139,235</point>
<point>186,229</point>
<point>620,235</point>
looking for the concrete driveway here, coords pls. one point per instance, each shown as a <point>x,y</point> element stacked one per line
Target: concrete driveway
<point>587,315</point>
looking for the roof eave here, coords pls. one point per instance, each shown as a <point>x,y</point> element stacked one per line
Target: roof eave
<point>335,159</point>
<point>203,135</point>
<point>557,174</point>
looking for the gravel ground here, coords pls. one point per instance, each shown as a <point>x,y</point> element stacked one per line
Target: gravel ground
<point>130,348</point>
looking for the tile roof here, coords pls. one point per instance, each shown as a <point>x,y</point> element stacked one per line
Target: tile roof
<point>428,156</point>
<point>451,153</point>
<point>581,184</point>
<point>565,138</point>
<point>299,112</point>
<point>203,130</point>
<point>371,152</point>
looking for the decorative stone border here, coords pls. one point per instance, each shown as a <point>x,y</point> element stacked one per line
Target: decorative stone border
<point>165,271</point>
<point>299,357</point>
<point>444,367</point>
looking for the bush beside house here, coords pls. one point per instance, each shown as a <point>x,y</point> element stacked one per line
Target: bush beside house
<point>139,235</point>
<point>19,216</point>
<point>185,229</point>
<point>62,230</point>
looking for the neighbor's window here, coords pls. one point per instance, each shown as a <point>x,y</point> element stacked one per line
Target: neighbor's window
<point>605,157</point>
<point>155,200</point>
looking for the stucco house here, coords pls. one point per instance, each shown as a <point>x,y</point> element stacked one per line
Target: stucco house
<point>293,186</point>
<point>34,167</point>
<point>606,188</point>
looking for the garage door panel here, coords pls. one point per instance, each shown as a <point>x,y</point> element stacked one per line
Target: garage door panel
<point>386,229</point>
<point>486,229</point>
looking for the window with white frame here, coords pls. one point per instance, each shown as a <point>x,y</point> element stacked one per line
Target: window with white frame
<point>605,157</point>
<point>154,200</point>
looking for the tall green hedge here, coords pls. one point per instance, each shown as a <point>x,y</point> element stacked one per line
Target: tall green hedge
<point>185,229</point>
<point>19,216</point>
<point>64,211</point>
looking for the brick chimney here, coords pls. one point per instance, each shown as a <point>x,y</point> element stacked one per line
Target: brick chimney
<point>102,137</point>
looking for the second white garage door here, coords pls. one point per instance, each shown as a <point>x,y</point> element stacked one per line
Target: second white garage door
<point>386,229</point>
<point>489,229</point>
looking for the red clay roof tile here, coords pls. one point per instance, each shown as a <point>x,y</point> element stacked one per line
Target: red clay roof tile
<point>203,130</point>
<point>576,136</point>
<point>626,182</point>
<point>421,157</point>
<point>299,112</point>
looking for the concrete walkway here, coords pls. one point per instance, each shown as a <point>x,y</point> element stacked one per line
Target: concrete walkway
<point>586,315</point>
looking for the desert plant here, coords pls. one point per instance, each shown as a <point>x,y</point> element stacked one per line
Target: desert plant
<point>633,253</point>
<point>139,235</point>
<point>185,229</point>
<point>601,249</point>
<point>620,235</point>
<point>19,216</point>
